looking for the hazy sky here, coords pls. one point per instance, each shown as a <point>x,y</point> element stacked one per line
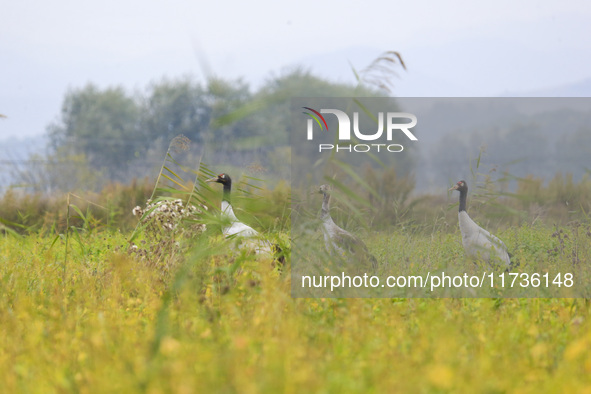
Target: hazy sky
<point>452,48</point>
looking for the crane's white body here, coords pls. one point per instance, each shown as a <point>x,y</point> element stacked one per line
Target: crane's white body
<point>479,243</point>
<point>235,227</point>
<point>250,238</point>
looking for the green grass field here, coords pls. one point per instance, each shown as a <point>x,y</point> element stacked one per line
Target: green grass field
<point>100,320</point>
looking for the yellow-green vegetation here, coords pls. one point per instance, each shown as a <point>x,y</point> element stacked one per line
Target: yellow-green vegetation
<point>103,321</point>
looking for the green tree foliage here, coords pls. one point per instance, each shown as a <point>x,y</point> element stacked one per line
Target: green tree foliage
<point>101,124</point>
<point>173,107</point>
<point>225,99</point>
<point>121,134</point>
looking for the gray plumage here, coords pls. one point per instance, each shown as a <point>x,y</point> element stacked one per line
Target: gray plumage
<point>341,242</point>
<point>478,242</point>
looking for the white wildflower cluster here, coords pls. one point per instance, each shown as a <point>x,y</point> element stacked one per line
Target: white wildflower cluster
<point>164,224</point>
<point>169,216</point>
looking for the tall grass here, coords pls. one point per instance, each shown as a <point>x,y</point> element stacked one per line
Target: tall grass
<point>33,213</point>
<point>113,325</point>
<point>224,320</point>
<point>558,201</point>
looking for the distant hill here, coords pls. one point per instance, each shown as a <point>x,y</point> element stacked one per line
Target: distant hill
<point>465,68</point>
<point>576,89</point>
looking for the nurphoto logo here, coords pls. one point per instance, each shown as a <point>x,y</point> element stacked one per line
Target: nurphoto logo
<point>393,123</point>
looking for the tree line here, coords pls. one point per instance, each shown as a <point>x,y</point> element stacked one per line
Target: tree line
<point>111,134</point>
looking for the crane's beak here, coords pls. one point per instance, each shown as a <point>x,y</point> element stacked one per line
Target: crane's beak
<point>214,179</point>
<point>454,187</point>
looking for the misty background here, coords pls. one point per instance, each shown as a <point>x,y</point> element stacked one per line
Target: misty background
<point>93,94</point>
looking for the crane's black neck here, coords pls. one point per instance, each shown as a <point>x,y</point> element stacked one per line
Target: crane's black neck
<point>227,190</point>
<point>463,195</point>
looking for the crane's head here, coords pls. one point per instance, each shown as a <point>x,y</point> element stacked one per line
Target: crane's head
<point>224,179</point>
<point>460,186</point>
<point>325,189</point>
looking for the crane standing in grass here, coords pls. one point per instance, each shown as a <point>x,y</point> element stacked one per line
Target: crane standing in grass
<point>232,227</point>
<point>478,242</point>
<point>339,241</point>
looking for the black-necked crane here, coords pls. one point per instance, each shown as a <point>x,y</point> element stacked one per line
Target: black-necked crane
<point>231,226</point>
<point>478,242</point>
